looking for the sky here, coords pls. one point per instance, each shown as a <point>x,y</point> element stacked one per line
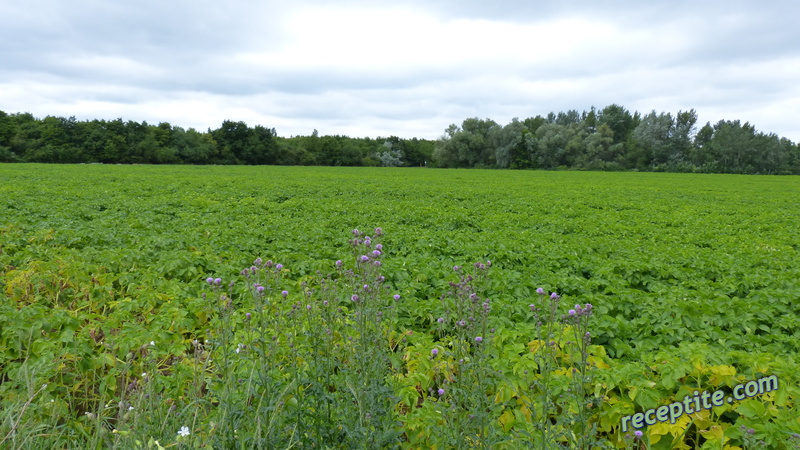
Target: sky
<point>404,68</point>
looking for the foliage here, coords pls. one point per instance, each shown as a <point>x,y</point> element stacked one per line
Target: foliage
<point>107,339</point>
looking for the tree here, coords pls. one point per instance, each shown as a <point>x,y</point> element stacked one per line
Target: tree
<point>468,146</point>
<point>390,157</point>
<point>621,122</point>
<point>514,145</point>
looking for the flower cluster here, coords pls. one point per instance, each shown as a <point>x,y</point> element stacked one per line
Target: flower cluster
<point>579,310</point>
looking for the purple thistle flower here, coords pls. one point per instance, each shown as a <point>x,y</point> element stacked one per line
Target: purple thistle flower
<point>571,312</point>
<point>638,434</point>
<point>210,280</point>
<point>440,320</point>
<point>257,261</point>
<point>308,307</point>
<point>434,352</point>
<point>356,232</point>
<point>366,287</point>
<point>532,307</point>
<point>540,291</point>
<point>269,263</point>
<point>378,231</point>
<point>376,252</point>
<point>440,392</point>
<point>364,258</point>
<point>278,266</point>
<point>396,297</point>
<point>367,241</point>
<point>377,263</point>
<point>456,268</point>
<point>247,316</point>
<point>554,296</point>
<point>478,339</point>
<point>217,281</point>
<point>260,289</point>
<point>354,298</point>
<point>378,246</point>
<point>284,293</point>
<point>339,263</point>
<point>325,303</point>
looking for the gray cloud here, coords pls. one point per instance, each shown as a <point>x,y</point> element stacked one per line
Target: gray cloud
<point>405,68</point>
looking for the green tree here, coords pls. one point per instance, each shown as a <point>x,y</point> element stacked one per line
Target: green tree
<point>470,145</point>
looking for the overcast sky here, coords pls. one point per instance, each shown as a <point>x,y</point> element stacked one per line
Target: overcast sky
<point>379,68</point>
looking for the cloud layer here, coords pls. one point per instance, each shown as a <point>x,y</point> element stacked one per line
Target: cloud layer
<point>397,68</point>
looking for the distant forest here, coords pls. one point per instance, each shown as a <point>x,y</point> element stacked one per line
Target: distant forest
<point>611,138</point>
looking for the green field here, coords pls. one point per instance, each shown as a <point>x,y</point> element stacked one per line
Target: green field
<point>694,282</point>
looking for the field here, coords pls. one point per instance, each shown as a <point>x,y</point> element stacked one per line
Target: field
<point>694,282</point>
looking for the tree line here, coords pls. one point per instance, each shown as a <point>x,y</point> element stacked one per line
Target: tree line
<point>611,138</point>
<point>24,138</point>
<point>615,139</point>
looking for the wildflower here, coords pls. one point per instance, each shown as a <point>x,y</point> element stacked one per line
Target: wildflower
<point>144,374</point>
<point>378,231</point>
<point>354,298</point>
<point>377,263</point>
<point>440,320</point>
<point>257,261</point>
<point>478,339</point>
<point>356,232</point>
<point>278,266</point>
<point>367,241</point>
<point>379,247</point>
<point>462,323</point>
<point>396,297</point>
<point>308,307</point>
<point>339,263</point>
<point>554,296</point>
<point>325,303</point>
<point>284,293</point>
<point>366,287</point>
<point>217,281</point>
<point>434,352</point>
<point>152,343</point>
<point>532,307</point>
<point>259,288</point>
<point>456,268</point>
<point>376,252</point>
<point>540,291</point>
<point>440,392</point>
<point>364,258</point>
<point>638,434</point>
<point>247,316</point>
<point>571,312</point>
<point>210,280</point>
<point>184,431</point>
